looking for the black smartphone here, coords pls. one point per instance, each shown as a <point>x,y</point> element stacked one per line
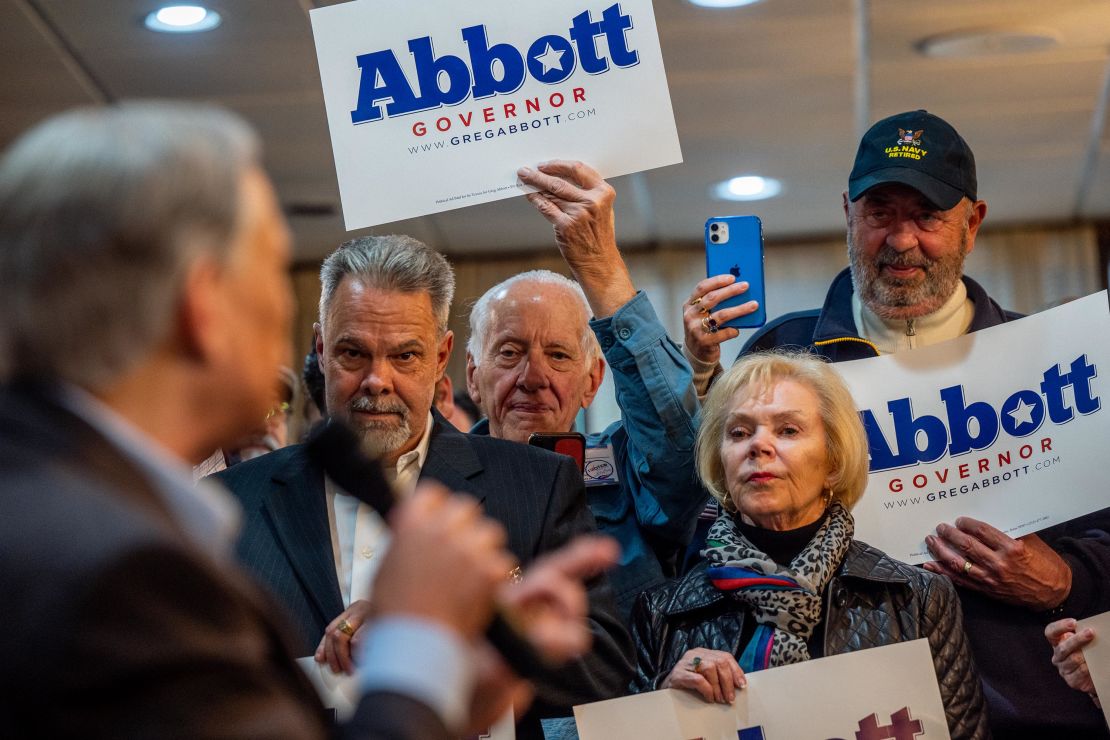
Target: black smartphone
<point>734,244</point>
<point>571,444</point>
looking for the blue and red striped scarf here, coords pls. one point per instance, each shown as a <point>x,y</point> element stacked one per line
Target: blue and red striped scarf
<point>785,601</point>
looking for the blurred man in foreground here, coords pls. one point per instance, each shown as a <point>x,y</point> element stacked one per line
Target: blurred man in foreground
<point>144,310</point>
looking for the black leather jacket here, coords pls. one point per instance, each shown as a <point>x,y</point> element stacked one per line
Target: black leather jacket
<point>872,600</point>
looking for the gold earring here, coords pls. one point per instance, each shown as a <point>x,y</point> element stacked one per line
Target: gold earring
<point>828,497</point>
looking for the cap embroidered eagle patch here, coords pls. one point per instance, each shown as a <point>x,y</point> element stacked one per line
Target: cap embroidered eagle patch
<point>910,137</point>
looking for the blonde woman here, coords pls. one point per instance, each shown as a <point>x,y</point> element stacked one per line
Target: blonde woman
<point>782,579</point>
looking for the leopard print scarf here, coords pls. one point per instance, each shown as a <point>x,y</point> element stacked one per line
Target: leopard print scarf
<point>784,600</point>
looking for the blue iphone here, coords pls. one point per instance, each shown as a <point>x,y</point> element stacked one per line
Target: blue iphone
<point>734,244</point>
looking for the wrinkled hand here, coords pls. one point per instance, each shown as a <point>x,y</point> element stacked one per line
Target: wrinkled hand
<point>1024,571</point>
<point>1067,654</point>
<point>697,312</point>
<point>445,562</point>
<point>713,674</point>
<point>578,203</point>
<point>337,648</point>
<point>549,606</point>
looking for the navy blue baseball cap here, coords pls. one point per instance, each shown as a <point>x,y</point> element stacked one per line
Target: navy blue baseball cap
<point>916,149</point>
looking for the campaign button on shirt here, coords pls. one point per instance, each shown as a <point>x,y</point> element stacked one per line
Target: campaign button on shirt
<point>600,468</point>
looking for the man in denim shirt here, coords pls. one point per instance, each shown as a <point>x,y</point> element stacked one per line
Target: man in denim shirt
<point>532,363</point>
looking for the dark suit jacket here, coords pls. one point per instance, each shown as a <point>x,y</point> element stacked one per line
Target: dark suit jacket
<point>537,495</point>
<point>115,625</point>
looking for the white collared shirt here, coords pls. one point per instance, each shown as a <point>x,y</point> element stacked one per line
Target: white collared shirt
<point>359,537</point>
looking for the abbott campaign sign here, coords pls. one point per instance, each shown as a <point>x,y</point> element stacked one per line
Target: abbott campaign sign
<point>884,693</point>
<point>1006,425</point>
<point>434,105</point>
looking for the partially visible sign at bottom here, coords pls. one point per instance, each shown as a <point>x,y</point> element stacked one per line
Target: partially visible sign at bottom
<point>886,693</point>
<point>1098,657</point>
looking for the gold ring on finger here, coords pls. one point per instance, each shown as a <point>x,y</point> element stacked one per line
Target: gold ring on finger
<point>696,301</point>
<point>346,628</point>
<point>967,567</point>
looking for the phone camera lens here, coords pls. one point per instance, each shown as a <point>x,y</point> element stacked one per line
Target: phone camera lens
<point>714,227</point>
<point>714,238</point>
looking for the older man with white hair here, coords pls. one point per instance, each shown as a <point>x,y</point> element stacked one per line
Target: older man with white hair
<point>535,358</point>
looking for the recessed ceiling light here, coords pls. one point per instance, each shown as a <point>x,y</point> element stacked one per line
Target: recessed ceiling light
<point>183,19</point>
<point>722,3</point>
<point>747,187</point>
<point>988,42</point>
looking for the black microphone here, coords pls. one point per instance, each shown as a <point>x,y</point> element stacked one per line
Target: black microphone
<point>336,449</point>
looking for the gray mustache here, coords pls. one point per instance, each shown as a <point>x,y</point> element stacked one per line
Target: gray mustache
<point>890,256</point>
<point>378,406</point>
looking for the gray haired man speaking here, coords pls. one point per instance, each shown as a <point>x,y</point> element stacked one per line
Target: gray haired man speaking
<point>144,310</point>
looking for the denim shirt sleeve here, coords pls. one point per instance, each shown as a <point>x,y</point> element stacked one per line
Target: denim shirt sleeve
<point>659,418</point>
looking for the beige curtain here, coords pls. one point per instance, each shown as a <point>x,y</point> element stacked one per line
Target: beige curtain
<point>306,289</point>
<point>1029,270</point>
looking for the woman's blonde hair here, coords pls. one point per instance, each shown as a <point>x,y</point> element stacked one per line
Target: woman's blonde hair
<point>846,441</point>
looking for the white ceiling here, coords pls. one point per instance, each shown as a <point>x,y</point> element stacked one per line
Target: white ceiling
<point>779,88</point>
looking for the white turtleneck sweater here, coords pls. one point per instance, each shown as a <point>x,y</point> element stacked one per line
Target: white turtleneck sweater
<point>949,321</point>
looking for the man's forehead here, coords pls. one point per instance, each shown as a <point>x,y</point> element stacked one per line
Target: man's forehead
<point>360,303</point>
<point>531,307</point>
<point>362,289</point>
<point>560,303</point>
<point>897,193</point>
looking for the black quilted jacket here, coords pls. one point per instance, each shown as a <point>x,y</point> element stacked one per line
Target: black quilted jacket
<point>872,600</point>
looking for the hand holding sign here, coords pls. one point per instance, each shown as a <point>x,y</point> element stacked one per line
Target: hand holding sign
<point>977,556</point>
<point>1067,642</point>
<point>579,204</point>
<point>857,693</point>
<point>714,674</point>
<point>951,436</point>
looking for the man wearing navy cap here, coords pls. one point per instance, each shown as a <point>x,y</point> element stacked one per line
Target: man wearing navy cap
<point>913,214</point>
